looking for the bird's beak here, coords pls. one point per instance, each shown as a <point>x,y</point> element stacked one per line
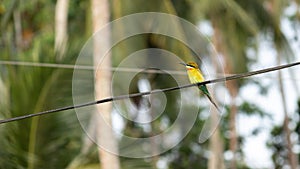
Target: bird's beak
<point>182,63</point>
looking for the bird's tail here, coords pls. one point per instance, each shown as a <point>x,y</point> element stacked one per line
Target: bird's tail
<point>213,102</point>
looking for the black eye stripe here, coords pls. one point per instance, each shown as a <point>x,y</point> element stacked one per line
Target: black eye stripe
<point>190,65</point>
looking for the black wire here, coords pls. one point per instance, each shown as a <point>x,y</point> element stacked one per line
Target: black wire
<point>121,97</point>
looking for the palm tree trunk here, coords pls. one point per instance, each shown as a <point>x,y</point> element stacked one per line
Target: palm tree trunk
<point>105,137</point>
<point>216,160</point>
<point>18,28</point>
<point>275,10</point>
<point>233,91</point>
<point>216,143</point>
<point>291,155</point>
<point>233,142</point>
<point>61,25</point>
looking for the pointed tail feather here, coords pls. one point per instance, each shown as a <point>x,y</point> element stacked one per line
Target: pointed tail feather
<point>213,102</point>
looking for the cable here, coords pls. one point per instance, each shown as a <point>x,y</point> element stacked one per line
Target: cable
<point>119,69</point>
<point>50,65</point>
<point>233,77</point>
<point>87,67</point>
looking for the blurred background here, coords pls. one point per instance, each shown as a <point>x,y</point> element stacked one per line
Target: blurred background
<point>40,40</point>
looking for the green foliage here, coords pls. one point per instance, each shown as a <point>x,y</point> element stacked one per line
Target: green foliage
<point>50,141</point>
<point>189,153</point>
<point>277,142</point>
<point>146,163</point>
<point>39,141</point>
<point>278,146</point>
<point>251,109</point>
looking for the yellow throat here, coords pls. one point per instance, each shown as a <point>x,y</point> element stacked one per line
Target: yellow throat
<point>194,73</point>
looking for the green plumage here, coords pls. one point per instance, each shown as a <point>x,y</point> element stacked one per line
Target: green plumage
<point>205,91</point>
<point>203,88</point>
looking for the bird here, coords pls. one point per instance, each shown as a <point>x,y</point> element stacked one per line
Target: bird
<point>195,76</point>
